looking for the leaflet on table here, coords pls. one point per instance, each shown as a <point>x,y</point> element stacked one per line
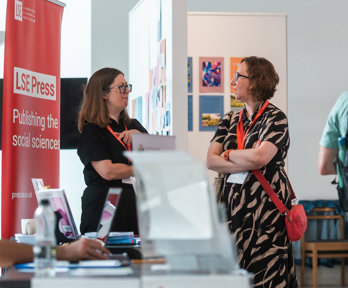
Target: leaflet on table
<point>80,264</point>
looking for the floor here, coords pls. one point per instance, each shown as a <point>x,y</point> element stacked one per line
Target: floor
<point>327,277</point>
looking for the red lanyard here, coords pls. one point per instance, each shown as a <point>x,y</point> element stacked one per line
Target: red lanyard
<point>240,130</point>
<point>128,147</point>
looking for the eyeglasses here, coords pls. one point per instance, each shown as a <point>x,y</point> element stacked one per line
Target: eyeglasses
<point>123,88</point>
<point>237,76</point>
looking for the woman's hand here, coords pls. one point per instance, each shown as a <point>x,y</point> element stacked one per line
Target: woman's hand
<point>83,249</point>
<point>126,136</point>
<point>240,160</point>
<point>112,171</point>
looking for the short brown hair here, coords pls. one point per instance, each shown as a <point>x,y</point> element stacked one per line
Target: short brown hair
<point>262,76</point>
<point>93,108</point>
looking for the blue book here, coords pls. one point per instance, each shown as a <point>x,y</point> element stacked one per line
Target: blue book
<point>130,240</point>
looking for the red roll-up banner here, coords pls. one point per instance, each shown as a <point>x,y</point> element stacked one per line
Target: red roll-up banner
<point>31,106</point>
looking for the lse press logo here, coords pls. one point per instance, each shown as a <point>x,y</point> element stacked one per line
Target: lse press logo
<point>18,10</point>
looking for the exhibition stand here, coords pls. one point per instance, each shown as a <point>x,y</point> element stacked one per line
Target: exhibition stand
<point>185,241</point>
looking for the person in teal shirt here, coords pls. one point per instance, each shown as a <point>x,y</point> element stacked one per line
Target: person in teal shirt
<point>336,127</point>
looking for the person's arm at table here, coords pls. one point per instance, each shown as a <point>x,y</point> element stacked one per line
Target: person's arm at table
<point>82,249</point>
<point>14,253</point>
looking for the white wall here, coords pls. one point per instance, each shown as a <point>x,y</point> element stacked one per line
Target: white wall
<point>75,62</point>
<point>110,34</point>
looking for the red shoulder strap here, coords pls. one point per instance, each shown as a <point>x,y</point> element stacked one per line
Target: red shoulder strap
<point>280,206</point>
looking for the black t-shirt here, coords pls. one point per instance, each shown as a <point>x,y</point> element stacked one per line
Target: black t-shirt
<point>99,144</point>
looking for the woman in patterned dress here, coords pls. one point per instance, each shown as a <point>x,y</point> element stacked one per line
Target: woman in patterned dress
<point>262,242</point>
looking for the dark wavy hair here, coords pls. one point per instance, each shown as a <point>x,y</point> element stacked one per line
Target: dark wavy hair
<point>93,108</point>
<point>262,76</point>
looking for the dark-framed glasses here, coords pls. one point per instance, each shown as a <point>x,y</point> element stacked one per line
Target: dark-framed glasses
<point>237,76</point>
<point>123,88</point>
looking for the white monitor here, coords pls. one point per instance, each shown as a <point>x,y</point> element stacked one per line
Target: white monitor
<point>146,142</point>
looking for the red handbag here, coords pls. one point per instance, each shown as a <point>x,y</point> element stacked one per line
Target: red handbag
<point>295,218</point>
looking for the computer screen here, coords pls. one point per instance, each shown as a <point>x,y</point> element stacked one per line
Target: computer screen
<point>59,202</point>
<point>108,214</point>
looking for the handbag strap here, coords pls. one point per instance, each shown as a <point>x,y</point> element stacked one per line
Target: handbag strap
<point>267,187</point>
<point>260,177</point>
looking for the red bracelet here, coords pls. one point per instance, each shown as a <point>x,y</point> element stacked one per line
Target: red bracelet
<point>227,154</point>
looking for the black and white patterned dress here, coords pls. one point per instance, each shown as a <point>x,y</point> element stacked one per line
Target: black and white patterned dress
<point>263,246</point>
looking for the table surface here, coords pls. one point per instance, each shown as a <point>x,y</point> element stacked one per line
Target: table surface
<point>14,278</point>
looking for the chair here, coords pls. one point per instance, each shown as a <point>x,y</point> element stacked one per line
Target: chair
<point>324,248</point>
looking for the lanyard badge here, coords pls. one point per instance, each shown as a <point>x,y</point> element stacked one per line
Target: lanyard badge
<point>240,130</point>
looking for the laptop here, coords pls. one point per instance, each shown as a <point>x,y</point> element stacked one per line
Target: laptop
<point>107,221</point>
<point>66,230</point>
<point>108,214</point>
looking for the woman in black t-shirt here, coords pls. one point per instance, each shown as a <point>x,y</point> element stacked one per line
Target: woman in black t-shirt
<point>106,133</point>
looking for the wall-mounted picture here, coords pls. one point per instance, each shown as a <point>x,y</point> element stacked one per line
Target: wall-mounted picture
<point>211,110</point>
<point>211,74</point>
<point>234,64</point>
<point>189,115</point>
<point>189,74</point>
<point>138,108</point>
<point>163,61</point>
<point>210,119</point>
<point>235,104</point>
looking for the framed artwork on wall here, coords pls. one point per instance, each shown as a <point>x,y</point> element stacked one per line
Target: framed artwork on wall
<point>190,111</point>
<point>211,110</point>
<point>189,74</point>
<point>211,74</point>
<point>234,64</point>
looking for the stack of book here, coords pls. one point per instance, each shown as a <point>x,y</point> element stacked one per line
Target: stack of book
<point>122,238</point>
<point>117,238</point>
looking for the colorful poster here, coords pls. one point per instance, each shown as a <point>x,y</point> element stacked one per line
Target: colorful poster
<point>190,111</point>
<point>163,60</point>
<point>234,64</point>
<point>31,107</point>
<point>211,110</point>
<point>189,75</point>
<point>211,74</point>
<point>138,113</point>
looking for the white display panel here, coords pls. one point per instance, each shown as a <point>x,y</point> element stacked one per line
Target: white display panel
<point>157,67</point>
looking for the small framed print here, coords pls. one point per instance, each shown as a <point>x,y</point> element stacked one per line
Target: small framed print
<point>211,74</point>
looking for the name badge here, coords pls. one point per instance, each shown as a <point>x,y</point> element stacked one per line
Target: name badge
<point>127,181</point>
<point>237,178</point>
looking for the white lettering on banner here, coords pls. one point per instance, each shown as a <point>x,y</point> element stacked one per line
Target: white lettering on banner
<point>21,195</point>
<point>28,118</point>
<point>34,84</point>
<point>18,10</point>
